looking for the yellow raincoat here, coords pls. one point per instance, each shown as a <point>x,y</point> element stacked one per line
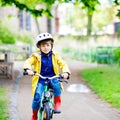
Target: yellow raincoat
<point>34,63</point>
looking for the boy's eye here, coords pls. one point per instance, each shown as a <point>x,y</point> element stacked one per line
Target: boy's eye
<point>46,45</point>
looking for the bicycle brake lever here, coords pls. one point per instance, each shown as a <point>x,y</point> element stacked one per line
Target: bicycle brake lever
<point>25,73</point>
<point>35,72</point>
<point>65,81</point>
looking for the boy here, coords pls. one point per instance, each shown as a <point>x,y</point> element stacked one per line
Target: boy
<point>46,63</point>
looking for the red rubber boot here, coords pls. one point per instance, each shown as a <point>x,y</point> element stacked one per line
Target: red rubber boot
<point>34,116</point>
<point>57,102</point>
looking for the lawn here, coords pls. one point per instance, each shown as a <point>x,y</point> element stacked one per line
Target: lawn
<point>3,104</point>
<point>105,82</point>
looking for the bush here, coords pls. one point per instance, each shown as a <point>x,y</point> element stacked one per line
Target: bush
<point>104,55</point>
<point>24,37</point>
<point>6,36</point>
<point>78,54</point>
<point>117,54</point>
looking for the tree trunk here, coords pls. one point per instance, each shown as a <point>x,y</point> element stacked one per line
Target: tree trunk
<point>49,26</point>
<point>37,25</point>
<point>89,26</point>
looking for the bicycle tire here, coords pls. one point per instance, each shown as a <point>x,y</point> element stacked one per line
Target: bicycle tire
<point>45,113</point>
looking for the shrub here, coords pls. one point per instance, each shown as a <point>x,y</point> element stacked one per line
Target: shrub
<point>104,55</point>
<point>117,54</point>
<point>6,36</point>
<point>24,37</point>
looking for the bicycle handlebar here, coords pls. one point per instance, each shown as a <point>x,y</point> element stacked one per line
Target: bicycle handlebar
<point>48,78</point>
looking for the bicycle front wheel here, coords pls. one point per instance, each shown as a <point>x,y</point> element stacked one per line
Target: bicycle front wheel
<point>45,113</point>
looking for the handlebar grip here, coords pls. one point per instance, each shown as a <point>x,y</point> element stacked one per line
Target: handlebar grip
<point>25,73</point>
<point>61,77</point>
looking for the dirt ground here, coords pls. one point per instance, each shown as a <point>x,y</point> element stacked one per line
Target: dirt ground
<point>75,105</point>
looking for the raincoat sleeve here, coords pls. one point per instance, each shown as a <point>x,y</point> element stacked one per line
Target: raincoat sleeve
<point>29,62</point>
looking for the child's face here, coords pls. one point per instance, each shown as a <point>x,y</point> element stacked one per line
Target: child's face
<point>45,47</point>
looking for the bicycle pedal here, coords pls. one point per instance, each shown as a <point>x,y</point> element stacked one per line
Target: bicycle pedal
<point>57,111</point>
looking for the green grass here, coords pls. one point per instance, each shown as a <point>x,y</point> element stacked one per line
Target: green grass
<point>3,104</point>
<point>105,82</point>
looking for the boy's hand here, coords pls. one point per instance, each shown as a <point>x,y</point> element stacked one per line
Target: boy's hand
<point>30,72</point>
<point>65,75</point>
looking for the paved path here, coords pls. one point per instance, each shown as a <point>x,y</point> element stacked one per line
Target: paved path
<point>75,106</point>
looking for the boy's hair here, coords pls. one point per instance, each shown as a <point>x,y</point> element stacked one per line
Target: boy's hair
<point>45,41</point>
<point>43,37</point>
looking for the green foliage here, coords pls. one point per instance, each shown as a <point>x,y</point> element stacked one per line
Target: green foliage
<point>30,6</point>
<point>75,21</point>
<point>78,54</point>
<point>6,36</point>
<point>46,5</point>
<point>75,48</point>
<point>78,48</point>
<point>117,55</point>
<point>90,5</point>
<point>100,19</point>
<point>92,56</point>
<point>116,2</point>
<point>39,7</point>
<point>24,37</point>
<point>107,55</point>
<point>3,105</point>
<point>104,55</point>
<point>87,4</point>
<point>104,82</point>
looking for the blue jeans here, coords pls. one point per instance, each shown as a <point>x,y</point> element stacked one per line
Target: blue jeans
<point>54,84</point>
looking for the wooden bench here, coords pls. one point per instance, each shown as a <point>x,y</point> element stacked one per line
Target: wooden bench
<point>6,69</point>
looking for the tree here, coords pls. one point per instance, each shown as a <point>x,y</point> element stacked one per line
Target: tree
<point>117,3</point>
<point>35,7</point>
<point>40,7</point>
<point>89,5</point>
<point>102,17</point>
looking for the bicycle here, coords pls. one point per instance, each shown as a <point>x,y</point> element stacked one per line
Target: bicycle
<point>46,110</point>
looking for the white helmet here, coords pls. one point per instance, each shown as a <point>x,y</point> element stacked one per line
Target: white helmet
<point>43,36</point>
